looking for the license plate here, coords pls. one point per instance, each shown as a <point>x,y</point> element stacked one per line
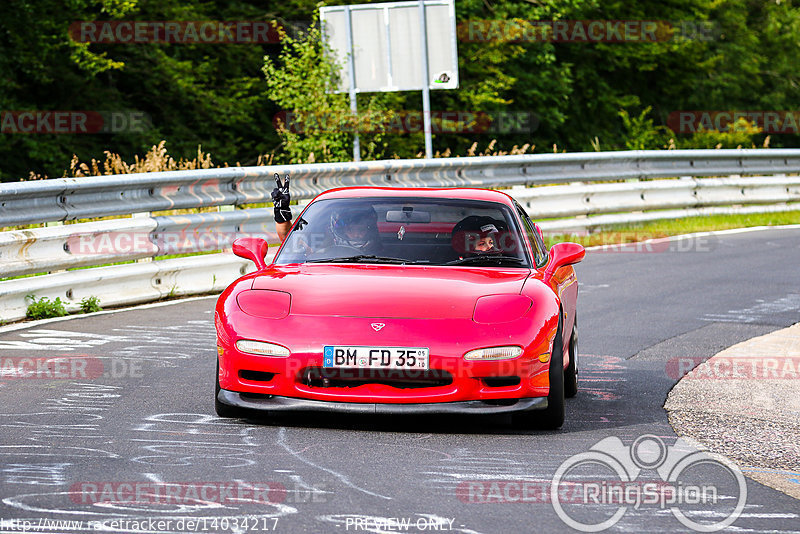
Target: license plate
<point>375,357</point>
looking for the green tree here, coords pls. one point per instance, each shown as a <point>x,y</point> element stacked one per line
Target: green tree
<point>195,94</point>
<point>714,55</point>
<point>316,123</point>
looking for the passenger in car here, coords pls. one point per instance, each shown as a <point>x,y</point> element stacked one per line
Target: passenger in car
<point>475,235</point>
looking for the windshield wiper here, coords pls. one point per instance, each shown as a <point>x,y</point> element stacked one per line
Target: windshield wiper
<point>366,258</point>
<point>486,258</point>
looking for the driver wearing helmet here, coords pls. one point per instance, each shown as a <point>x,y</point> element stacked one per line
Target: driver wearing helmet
<point>356,228</point>
<point>477,235</point>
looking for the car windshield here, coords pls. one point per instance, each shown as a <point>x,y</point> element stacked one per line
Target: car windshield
<point>466,233</point>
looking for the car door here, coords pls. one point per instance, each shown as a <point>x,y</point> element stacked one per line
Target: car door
<point>564,282</point>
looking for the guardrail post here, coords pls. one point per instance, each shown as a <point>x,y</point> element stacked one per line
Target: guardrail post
<point>50,224</point>
<point>142,215</point>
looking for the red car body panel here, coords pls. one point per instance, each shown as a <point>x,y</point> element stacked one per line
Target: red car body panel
<point>449,309</point>
<point>389,291</point>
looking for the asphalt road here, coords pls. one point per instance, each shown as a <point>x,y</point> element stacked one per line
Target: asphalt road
<point>134,412</point>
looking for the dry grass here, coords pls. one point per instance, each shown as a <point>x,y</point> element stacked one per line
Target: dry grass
<point>157,159</point>
<point>489,151</point>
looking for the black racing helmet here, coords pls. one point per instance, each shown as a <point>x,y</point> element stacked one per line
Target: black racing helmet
<point>357,216</point>
<point>469,230</point>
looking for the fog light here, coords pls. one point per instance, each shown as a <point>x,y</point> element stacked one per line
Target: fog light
<point>494,353</point>
<point>262,348</point>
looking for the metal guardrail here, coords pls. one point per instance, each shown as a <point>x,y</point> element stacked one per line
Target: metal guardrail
<point>95,243</point>
<point>575,200</point>
<point>125,284</point>
<point>69,246</point>
<point>65,199</point>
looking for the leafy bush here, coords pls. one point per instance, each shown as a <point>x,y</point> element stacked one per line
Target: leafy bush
<point>738,135</point>
<point>90,304</point>
<point>44,308</point>
<point>641,133</point>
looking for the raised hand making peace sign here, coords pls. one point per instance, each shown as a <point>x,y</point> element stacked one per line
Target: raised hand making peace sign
<point>281,198</point>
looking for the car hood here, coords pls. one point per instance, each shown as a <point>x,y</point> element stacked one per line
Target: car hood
<point>390,291</point>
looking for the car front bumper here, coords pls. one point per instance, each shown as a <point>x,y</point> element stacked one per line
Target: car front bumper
<point>290,404</point>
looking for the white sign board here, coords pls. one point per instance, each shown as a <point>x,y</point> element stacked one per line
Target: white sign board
<point>386,45</point>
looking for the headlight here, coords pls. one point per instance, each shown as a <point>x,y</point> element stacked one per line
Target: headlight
<point>262,348</point>
<point>494,353</point>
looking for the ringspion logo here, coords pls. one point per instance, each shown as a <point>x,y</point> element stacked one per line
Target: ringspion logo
<point>614,479</point>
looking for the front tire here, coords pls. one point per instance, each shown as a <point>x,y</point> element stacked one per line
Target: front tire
<point>552,417</point>
<point>571,372</point>
<point>224,410</point>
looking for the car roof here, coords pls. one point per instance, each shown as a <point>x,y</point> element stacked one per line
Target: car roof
<point>465,193</point>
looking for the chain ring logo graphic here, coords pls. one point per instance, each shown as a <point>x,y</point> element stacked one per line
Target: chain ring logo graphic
<point>647,452</point>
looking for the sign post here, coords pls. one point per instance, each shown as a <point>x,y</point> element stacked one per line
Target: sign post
<point>426,91</point>
<point>351,74</point>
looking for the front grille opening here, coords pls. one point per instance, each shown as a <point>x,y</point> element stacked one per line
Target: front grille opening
<point>321,377</point>
<point>256,376</point>
<point>501,381</point>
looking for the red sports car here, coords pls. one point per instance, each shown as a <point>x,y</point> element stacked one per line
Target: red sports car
<point>390,300</point>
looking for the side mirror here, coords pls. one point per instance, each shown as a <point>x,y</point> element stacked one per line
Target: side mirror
<point>562,254</point>
<point>253,249</point>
